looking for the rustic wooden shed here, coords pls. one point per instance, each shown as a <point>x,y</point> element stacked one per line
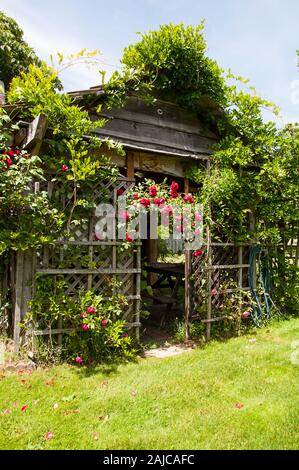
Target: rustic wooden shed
<point>160,140</point>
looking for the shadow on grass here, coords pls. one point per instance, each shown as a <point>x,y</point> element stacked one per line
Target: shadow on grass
<point>107,369</point>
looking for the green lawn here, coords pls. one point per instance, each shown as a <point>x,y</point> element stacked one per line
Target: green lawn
<point>184,402</point>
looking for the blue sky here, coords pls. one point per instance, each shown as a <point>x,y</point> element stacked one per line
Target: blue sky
<point>255,38</point>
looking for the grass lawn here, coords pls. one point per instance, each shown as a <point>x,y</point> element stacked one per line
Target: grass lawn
<point>183,402</point>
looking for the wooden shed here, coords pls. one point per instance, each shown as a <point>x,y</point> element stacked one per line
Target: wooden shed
<point>160,140</point>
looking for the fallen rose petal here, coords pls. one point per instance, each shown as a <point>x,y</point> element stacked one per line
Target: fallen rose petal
<point>133,393</point>
<point>7,411</point>
<point>238,406</point>
<point>55,406</point>
<point>95,436</point>
<point>23,381</point>
<point>49,435</point>
<point>24,408</point>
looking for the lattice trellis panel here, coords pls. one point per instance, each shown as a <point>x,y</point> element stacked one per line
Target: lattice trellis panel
<point>222,271</point>
<point>86,263</point>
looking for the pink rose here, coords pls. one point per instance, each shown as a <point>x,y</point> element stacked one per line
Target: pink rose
<point>64,168</point>
<point>90,310</point>
<point>84,327</point>
<point>214,292</point>
<point>104,323</point>
<point>124,215</point>
<point>79,360</point>
<point>49,435</point>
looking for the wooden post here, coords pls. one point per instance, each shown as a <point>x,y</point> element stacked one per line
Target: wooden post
<point>240,282</point>
<point>130,165</point>
<point>186,186</point>
<point>297,253</point>
<point>18,300</point>
<point>187,294</point>
<point>209,274</point>
<point>138,288</point>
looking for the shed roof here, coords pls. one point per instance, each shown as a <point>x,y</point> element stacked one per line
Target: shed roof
<point>161,127</point>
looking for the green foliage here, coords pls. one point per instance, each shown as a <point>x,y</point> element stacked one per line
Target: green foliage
<point>99,332</point>
<point>170,64</point>
<point>37,91</point>
<point>15,54</point>
<point>27,218</point>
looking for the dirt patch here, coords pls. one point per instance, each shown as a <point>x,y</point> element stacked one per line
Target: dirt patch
<point>166,351</point>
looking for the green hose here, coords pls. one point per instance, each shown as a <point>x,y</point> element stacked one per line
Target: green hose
<point>262,301</point>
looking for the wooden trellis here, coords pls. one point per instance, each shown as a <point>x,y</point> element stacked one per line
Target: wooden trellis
<point>97,263</point>
<point>221,272</point>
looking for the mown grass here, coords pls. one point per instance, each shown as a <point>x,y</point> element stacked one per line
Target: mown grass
<point>184,402</point>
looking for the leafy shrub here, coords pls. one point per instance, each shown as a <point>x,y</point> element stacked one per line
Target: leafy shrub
<point>98,328</point>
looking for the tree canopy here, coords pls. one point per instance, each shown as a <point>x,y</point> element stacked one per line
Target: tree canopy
<point>15,54</point>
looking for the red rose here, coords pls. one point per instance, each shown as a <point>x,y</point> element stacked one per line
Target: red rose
<point>104,323</point>
<point>8,161</point>
<point>136,197</point>
<point>188,198</point>
<point>129,238</point>
<point>120,191</point>
<point>174,187</point>
<point>17,152</point>
<point>174,195</point>
<point>97,237</point>
<point>11,153</point>
<point>197,253</point>
<point>145,202</point>
<point>153,191</point>
<point>159,201</point>
<point>64,168</point>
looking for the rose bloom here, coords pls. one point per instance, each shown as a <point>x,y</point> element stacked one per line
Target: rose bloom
<point>64,168</point>
<point>198,253</point>
<point>159,201</point>
<point>136,197</point>
<point>174,187</point>
<point>104,323</point>
<point>129,238</point>
<point>153,191</point>
<point>79,360</point>
<point>84,327</point>
<point>214,292</point>
<point>145,202</point>
<point>120,191</point>
<point>90,310</point>
<point>124,215</point>
<point>188,198</point>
